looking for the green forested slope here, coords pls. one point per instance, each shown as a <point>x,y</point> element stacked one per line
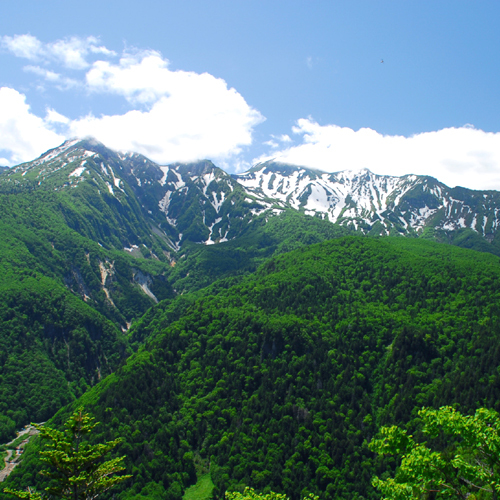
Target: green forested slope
<point>200,265</point>
<point>280,381</point>
<point>52,348</point>
<point>36,236</point>
<point>57,288</point>
<point>51,244</point>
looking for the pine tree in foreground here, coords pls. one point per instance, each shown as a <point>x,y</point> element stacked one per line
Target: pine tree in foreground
<point>78,467</point>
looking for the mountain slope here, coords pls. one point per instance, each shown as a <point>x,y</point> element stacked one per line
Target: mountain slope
<point>59,283</point>
<point>53,347</point>
<point>281,380</point>
<point>374,203</point>
<point>123,200</point>
<point>121,233</point>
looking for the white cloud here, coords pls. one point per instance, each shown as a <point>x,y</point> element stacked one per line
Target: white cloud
<point>54,117</point>
<point>236,165</point>
<point>60,81</point>
<point>22,134</point>
<point>26,46</point>
<point>461,156</point>
<point>48,75</point>
<point>210,123</point>
<point>140,78</point>
<point>276,139</point>
<point>70,52</point>
<point>177,115</point>
<point>189,115</point>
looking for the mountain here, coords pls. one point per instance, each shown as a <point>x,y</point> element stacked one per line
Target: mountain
<point>376,204</point>
<point>262,349</point>
<point>281,380</point>
<point>68,293</point>
<point>53,347</point>
<point>121,233</point>
<point>156,208</point>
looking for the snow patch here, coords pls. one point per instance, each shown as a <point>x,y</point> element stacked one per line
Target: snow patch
<point>165,202</point>
<point>211,228</point>
<point>131,249</point>
<point>165,171</point>
<point>78,171</point>
<point>217,203</point>
<point>104,169</point>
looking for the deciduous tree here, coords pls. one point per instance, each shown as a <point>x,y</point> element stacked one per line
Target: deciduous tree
<point>469,467</point>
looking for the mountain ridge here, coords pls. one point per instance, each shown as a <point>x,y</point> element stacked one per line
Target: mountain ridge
<point>201,203</point>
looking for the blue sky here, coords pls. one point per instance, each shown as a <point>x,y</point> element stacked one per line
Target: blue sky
<point>242,81</point>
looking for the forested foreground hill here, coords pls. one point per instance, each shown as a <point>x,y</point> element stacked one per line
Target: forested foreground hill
<point>65,301</point>
<point>281,381</point>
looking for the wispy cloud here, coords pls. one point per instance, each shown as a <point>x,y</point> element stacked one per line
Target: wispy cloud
<point>70,52</point>
<point>26,46</point>
<point>461,156</point>
<point>49,76</point>
<point>311,61</point>
<point>275,140</point>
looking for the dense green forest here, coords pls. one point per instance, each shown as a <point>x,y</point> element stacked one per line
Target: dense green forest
<point>69,289</point>
<point>52,348</point>
<point>280,381</point>
<point>65,302</point>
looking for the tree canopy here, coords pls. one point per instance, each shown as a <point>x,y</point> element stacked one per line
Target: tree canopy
<point>467,466</point>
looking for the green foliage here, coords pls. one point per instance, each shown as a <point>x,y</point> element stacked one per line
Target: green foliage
<point>77,468</point>
<point>280,380</point>
<point>202,490</point>
<point>468,466</point>
<point>58,286</point>
<point>200,265</point>
<point>251,494</point>
<point>276,379</point>
<point>29,493</point>
<point>53,347</point>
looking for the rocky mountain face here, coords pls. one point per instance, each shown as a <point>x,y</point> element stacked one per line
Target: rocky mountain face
<point>201,203</point>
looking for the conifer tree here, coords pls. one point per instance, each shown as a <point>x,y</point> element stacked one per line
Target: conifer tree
<point>78,467</point>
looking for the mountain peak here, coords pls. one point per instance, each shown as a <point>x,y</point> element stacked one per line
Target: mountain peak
<point>282,168</point>
<point>195,168</point>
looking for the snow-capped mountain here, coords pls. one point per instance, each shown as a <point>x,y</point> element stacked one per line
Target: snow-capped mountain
<point>369,201</point>
<point>201,203</point>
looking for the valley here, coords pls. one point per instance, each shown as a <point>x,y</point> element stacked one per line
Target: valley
<point>12,451</point>
<point>267,323</point>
